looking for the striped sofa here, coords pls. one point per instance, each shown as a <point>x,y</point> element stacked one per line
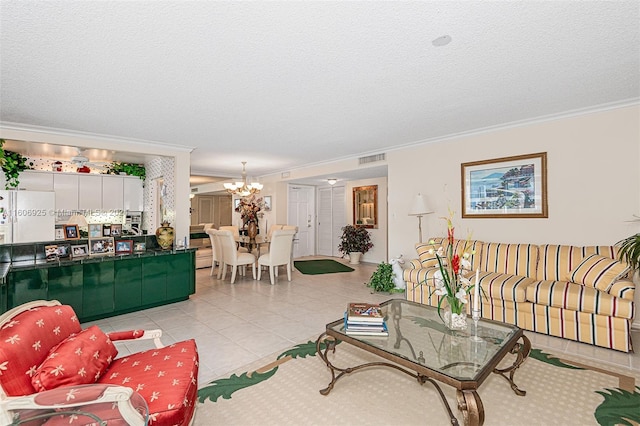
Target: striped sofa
<point>577,293</point>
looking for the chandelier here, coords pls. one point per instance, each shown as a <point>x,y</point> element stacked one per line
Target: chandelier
<point>242,188</point>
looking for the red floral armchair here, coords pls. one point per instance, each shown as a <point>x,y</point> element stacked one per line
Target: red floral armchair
<point>43,347</point>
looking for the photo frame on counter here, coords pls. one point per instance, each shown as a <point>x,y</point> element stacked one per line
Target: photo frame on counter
<point>80,250</point>
<point>101,246</point>
<point>124,246</point>
<point>64,251</point>
<point>508,187</point>
<point>95,230</point>
<point>51,252</point>
<point>139,247</point>
<point>106,229</point>
<point>71,232</point>
<point>116,229</point>
<point>59,235</point>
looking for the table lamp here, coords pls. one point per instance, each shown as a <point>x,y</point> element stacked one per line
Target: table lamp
<point>419,208</point>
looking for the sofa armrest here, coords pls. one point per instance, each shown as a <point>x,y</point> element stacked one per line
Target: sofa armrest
<point>74,399</point>
<point>138,335</point>
<point>414,264</point>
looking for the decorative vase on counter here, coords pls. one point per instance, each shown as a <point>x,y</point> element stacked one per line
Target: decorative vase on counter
<point>164,235</point>
<point>454,320</point>
<point>252,229</point>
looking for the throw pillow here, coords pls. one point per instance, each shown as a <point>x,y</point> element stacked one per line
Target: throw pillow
<point>427,254</point>
<point>79,359</point>
<point>599,272</point>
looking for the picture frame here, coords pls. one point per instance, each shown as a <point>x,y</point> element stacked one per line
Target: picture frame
<point>71,232</point>
<point>267,203</point>
<point>101,246</point>
<point>139,247</point>
<point>124,246</point>
<point>51,252</point>
<point>116,229</point>
<point>106,229</point>
<point>95,230</point>
<point>59,232</point>
<point>507,187</point>
<point>80,250</point>
<point>64,251</point>
<point>236,203</point>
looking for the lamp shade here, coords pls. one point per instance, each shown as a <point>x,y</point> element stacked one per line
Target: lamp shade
<point>78,219</point>
<point>419,206</point>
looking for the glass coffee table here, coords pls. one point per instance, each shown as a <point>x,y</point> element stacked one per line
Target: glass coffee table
<point>421,346</point>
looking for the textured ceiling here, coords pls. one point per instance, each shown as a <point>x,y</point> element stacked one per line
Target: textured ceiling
<point>287,84</point>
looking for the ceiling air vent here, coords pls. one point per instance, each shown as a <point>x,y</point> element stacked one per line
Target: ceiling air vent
<point>372,159</point>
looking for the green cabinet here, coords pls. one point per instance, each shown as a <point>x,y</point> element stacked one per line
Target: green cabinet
<point>128,284</point>
<point>102,287</point>
<point>154,279</point>
<point>25,286</point>
<point>65,284</point>
<point>181,280</point>
<point>98,289</point>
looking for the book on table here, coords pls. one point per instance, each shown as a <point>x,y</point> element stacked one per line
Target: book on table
<point>364,313</point>
<point>365,328</point>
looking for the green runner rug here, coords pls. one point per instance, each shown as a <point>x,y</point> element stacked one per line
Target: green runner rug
<point>321,266</point>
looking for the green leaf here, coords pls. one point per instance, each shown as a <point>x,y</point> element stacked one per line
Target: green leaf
<point>225,387</point>
<point>304,349</point>
<point>620,407</point>
<point>550,359</point>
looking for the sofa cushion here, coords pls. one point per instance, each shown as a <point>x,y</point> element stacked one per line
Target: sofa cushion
<point>79,359</point>
<point>514,259</point>
<point>599,272</point>
<point>167,378</point>
<point>420,276</point>
<point>555,261</point>
<point>577,297</point>
<point>25,342</point>
<point>472,247</point>
<point>427,254</point>
<point>505,286</point>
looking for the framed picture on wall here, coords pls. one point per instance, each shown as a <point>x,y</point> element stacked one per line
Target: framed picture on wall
<point>509,187</point>
<point>236,203</point>
<point>267,203</point>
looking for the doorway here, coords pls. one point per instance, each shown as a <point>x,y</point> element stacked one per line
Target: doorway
<point>301,213</point>
<point>331,219</point>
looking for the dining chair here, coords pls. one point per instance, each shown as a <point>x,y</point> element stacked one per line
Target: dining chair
<point>216,252</point>
<point>236,236</point>
<point>295,228</point>
<point>279,254</point>
<point>232,257</point>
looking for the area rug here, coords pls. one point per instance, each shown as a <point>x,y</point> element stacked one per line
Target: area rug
<point>321,266</point>
<point>284,390</point>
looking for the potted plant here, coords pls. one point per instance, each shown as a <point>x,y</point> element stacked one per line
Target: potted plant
<point>12,164</point>
<point>355,241</point>
<point>130,169</point>
<point>630,251</point>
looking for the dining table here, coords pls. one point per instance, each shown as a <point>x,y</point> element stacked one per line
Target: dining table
<point>251,243</point>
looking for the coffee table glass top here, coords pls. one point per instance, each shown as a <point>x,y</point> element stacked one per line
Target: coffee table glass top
<point>417,334</point>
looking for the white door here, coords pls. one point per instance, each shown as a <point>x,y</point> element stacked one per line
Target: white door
<point>301,213</point>
<point>331,219</point>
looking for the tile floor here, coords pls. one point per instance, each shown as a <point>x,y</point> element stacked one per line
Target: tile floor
<point>237,324</point>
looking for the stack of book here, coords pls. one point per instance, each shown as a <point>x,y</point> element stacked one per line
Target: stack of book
<point>365,319</point>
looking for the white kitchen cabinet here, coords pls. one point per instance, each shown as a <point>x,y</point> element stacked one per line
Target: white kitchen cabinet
<point>35,180</point>
<point>112,193</point>
<point>133,194</point>
<point>90,192</point>
<point>66,187</point>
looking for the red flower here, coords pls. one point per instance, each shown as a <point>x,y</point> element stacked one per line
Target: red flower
<point>455,264</point>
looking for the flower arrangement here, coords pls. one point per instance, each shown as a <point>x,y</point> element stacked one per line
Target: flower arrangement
<point>449,279</point>
<point>354,239</point>
<point>250,208</point>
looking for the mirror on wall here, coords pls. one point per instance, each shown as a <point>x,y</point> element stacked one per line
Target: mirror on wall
<point>365,206</point>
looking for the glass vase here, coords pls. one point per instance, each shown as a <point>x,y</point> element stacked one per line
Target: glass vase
<point>454,320</point>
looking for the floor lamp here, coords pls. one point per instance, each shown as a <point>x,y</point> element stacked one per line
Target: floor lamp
<point>419,208</point>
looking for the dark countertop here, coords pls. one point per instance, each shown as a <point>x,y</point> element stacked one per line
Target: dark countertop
<point>7,267</point>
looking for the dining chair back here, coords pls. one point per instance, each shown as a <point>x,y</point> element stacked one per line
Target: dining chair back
<point>295,228</point>
<point>216,252</point>
<point>279,253</point>
<point>273,228</point>
<point>236,236</point>
<point>232,257</point>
